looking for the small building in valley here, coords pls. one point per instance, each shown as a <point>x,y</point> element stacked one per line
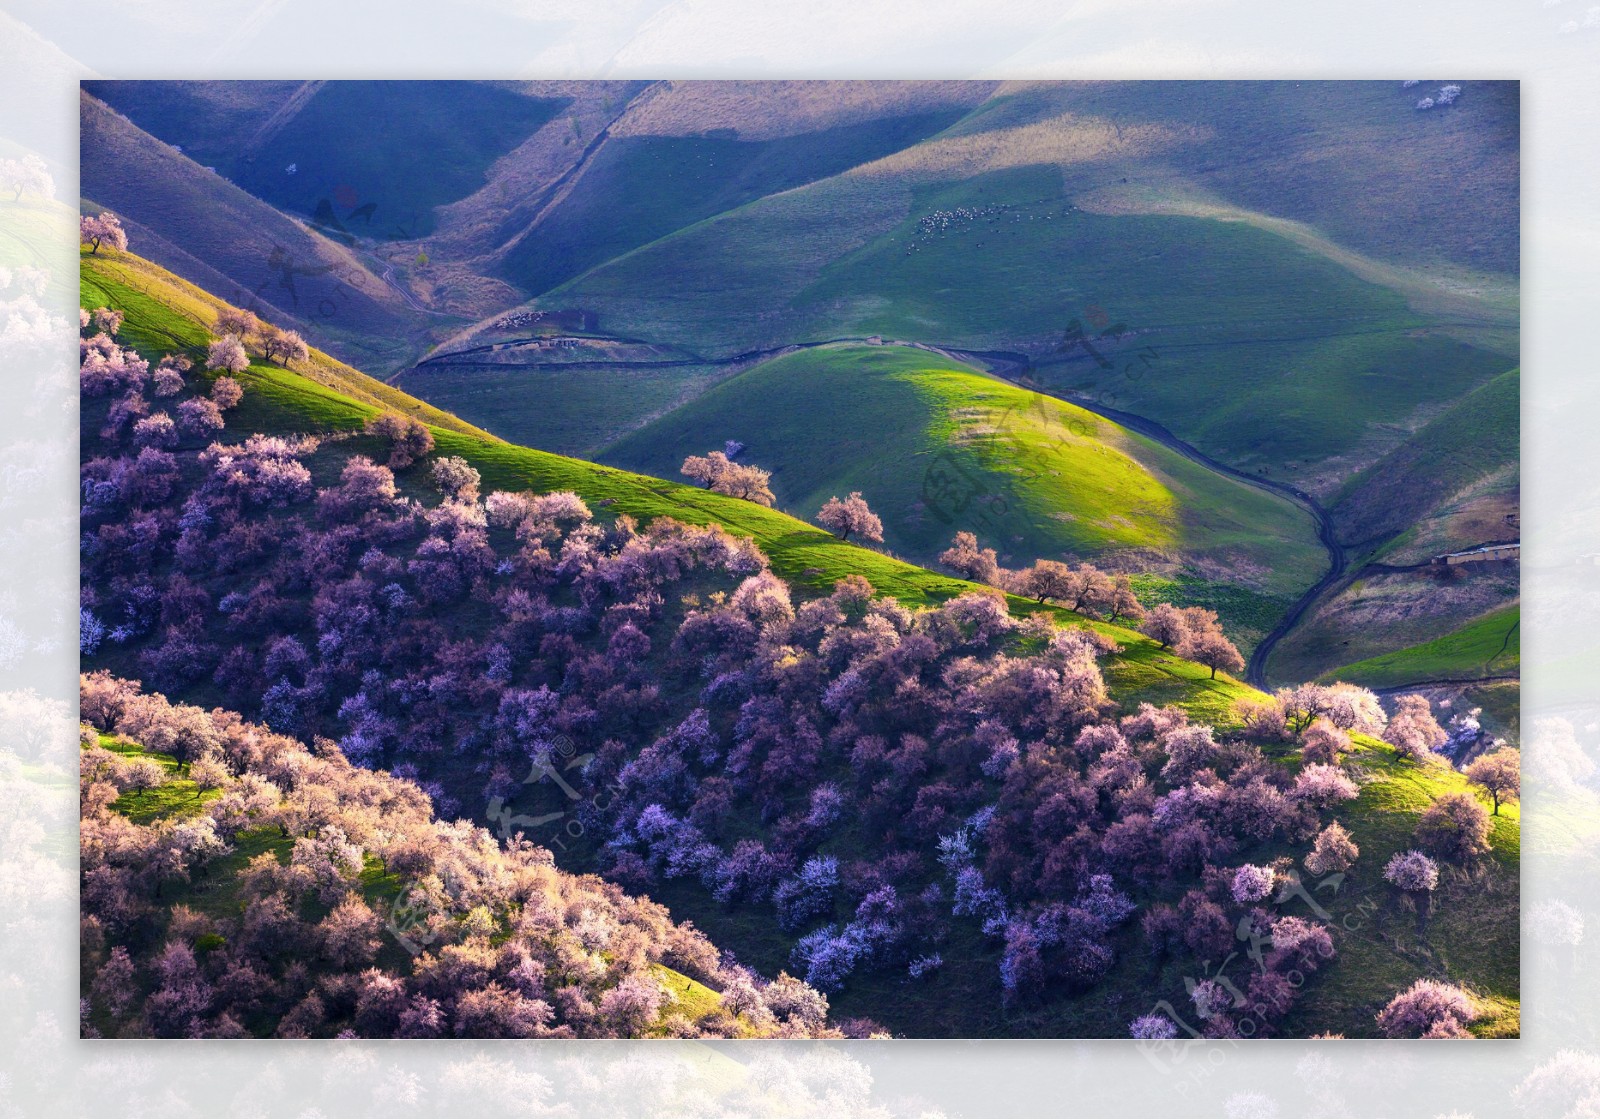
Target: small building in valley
<point>1482,554</point>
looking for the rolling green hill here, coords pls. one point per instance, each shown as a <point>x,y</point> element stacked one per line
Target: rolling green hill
<point>200,225</point>
<point>1242,340</point>
<point>1489,647</point>
<point>1354,159</point>
<point>935,446</point>
<point>576,408</point>
<point>1379,612</point>
<point>165,313</point>
<point>1290,275</point>
<point>403,147</point>
<point>640,188</point>
<point>998,257</point>
<point>1452,484</point>
<point>207,119</point>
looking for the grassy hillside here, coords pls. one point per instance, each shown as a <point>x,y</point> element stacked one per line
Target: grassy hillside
<point>165,313</point>
<point>1354,159</point>
<point>1014,267</point>
<point>1315,359</point>
<point>1472,931</point>
<point>211,121</point>
<point>936,447</point>
<point>577,408</point>
<point>1474,438</point>
<point>1488,647</point>
<point>1294,275</point>
<point>1453,483</point>
<point>202,226</point>
<point>1380,612</point>
<point>402,147</point>
<point>640,188</point>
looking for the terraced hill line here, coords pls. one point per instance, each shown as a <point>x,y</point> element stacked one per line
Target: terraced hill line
<point>1412,686</point>
<point>690,359</point>
<point>1378,566</point>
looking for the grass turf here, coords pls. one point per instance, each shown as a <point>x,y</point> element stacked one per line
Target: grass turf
<point>1488,647</point>
<point>574,411</point>
<point>641,188</point>
<point>1266,353</point>
<point>936,446</point>
<point>1474,437</point>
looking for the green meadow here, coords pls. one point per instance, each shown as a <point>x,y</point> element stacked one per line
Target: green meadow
<point>1488,647</point>
<point>1241,340</point>
<point>641,188</point>
<point>937,447</point>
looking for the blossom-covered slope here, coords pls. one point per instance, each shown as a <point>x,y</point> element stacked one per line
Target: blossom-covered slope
<point>953,812</point>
